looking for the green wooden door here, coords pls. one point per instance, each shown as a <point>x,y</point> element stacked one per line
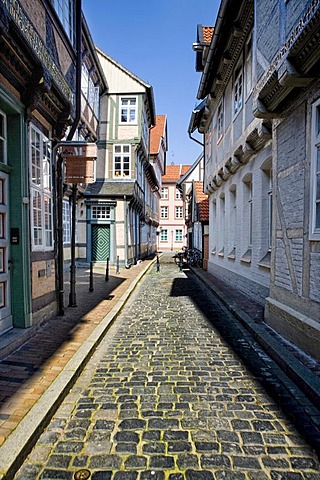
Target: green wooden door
<point>100,243</point>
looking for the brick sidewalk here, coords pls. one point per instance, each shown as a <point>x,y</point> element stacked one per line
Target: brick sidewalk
<point>27,372</point>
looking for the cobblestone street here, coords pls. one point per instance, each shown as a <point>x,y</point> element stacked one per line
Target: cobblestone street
<point>165,397</point>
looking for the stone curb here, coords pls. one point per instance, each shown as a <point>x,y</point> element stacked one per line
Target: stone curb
<point>20,442</point>
<point>296,371</point>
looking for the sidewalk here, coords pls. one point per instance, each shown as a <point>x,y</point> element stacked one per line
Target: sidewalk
<point>36,376</point>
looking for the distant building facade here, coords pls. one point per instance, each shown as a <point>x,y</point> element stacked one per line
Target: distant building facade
<point>172,232</point>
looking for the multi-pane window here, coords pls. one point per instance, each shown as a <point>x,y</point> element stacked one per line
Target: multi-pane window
<point>164,235</point>
<point>121,160</point>
<point>164,193</point>
<point>315,173</point>
<point>250,213</point>
<point>90,92</point>
<point>270,211</point>
<point>179,212</point>
<point>248,66</point>
<point>66,218</point>
<point>178,194</point>
<point>238,91</point>
<point>164,212</point>
<point>220,120</point>
<point>65,12</point>
<point>100,212</point>
<point>128,109</point>
<point>41,190</point>
<point>178,235</point>
<point>3,138</point>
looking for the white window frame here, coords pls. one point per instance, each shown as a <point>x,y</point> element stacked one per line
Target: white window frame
<point>164,212</point>
<point>129,109</point>
<point>248,66</point>
<point>164,235</point>
<point>270,212</point>
<point>315,173</point>
<point>100,212</point>
<point>122,160</point>
<point>66,13</point>
<point>220,119</point>
<point>3,139</point>
<point>250,214</point>
<point>40,188</point>
<point>66,215</point>
<point>179,212</point>
<point>238,91</point>
<point>164,193</point>
<point>178,194</point>
<point>179,235</point>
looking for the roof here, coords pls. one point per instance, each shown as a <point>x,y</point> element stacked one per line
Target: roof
<point>116,188</point>
<point>157,133</point>
<point>174,172</point>
<point>207,33</point>
<point>149,88</point>
<point>185,176</point>
<point>202,201</point>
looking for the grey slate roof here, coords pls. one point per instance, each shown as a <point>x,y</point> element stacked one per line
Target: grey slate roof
<point>112,188</point>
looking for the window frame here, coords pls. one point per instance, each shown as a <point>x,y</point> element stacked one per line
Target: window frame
<point>66,13</point>
<point>180,208</point>
<point>164,189</point>
<point>128,108</point>
<point>3,138</point>
<point>314,232</point>
<point>178,238</point>
<point>220,119</point>
<point>238,86</point>
<point>164,235</point>
<point>66,221</point>
<point>248,67</point>
<point>164,208</point>
<point>42,172</point>
<point>179,195</point>
<point>122,154</point>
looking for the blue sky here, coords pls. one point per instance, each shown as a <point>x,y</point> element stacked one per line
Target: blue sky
<point>154,41</point>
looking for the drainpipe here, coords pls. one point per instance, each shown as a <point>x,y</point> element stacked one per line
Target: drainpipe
<point>60,259</point>
<point>195,140</point>
<point>125,231</point>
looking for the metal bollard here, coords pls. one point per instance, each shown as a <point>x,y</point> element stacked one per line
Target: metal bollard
<point>118,265</point>
<point>158,264</point>
<point>91,278</point>
<point>180,261</point>
<point>107,270</point>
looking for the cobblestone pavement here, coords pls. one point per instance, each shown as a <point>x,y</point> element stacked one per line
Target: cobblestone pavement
<point>165,397</point>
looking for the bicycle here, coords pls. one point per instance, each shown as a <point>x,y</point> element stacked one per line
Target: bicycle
<point>194,258</point>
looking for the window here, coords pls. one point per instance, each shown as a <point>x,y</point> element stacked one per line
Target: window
<point>41,190</point>
<point>179,212</point>
<point>66,222</point>
<point>164,235</point>
<point>164,212</point>
<point>178,236</point>
<point>121,164</point>
<point>238,91</point>
<point>248,71</point>
<point>315,173</point>
<point>220,120</point>
<point>88,89</point>
<point>3,138</point>
<point>65,12</point>
<point>164,193</point>
<point>100,212</point>
<point>250,217</point>
<point>128,110</point>
<point>270,212</point>
<point>178,194</point>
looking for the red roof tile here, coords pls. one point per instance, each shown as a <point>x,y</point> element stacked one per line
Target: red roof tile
<point>202,201</point>
<point>157,133</point>
<point>207,33</point>
<point>174,172</point>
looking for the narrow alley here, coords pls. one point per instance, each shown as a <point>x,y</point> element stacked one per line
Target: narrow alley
<point>166,397</point>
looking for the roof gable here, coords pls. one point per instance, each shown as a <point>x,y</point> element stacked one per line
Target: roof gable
<point>157,133</point>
